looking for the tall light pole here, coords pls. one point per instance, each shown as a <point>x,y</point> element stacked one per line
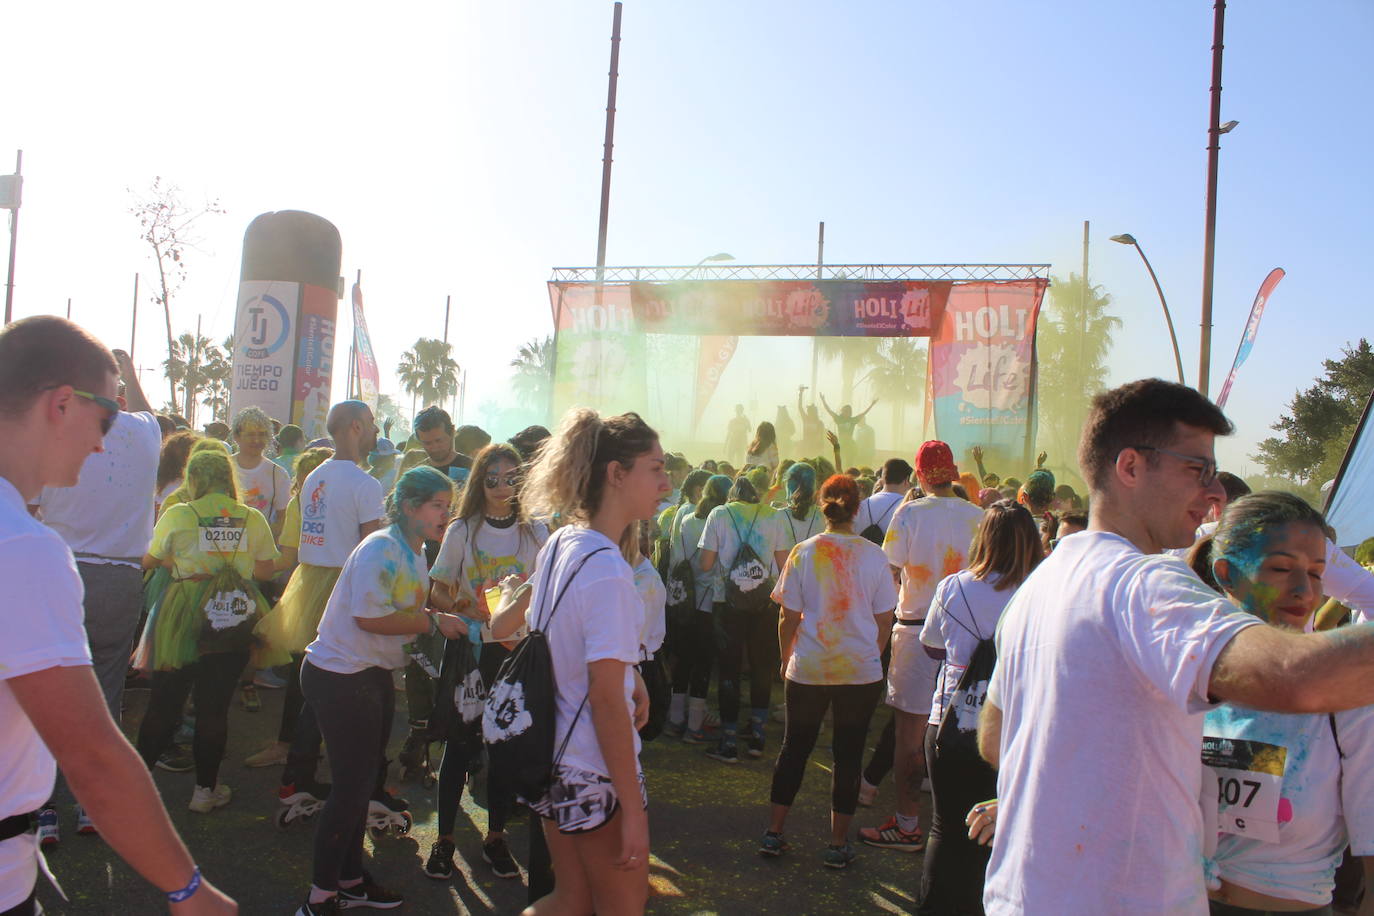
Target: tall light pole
<point>10,194</point>
<point>1128,239</point>
<point>1214,131</point>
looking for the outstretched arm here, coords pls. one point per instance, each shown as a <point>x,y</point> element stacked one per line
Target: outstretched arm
<point>835,446</point>
<point>134,397</point>
<point>872,404</point>
<point>826,405</point>
<point>978,460</point>
<point>1266,668</point>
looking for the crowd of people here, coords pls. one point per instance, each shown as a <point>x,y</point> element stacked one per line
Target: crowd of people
<point>1153,697</point>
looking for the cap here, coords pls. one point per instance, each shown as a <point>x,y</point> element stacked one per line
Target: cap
<point>935,463</point>
<point>385,447</point>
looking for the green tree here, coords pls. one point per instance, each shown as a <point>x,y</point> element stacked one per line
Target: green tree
<point>898,379</point>
<point>187,366</point>
<point>854,354</point>
<point>428,372</point>
<point>388,411</point>
<point>1073,342</point>
<point>533,365</point>
<point>219,374</point>
<point>167,225</point>
<point>1320,421</point>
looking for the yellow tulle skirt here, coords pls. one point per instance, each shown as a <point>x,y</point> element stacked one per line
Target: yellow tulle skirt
<point>177,632</point>
<point>292,625</point>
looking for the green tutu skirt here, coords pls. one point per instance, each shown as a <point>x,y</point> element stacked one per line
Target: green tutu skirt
<point>293,624</point>
<point>178,631</point>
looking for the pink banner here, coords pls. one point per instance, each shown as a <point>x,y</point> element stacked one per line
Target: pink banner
<point>365,364</point>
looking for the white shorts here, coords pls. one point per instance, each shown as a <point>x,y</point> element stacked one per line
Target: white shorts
<point>911,674</point>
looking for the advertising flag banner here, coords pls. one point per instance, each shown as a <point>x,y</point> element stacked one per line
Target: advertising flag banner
<point>1247,340</point>
<point>1350,503</point>
<point>982,370</point>
<point>314,359</point>
<point>265,347</point>
<point>368,376</point>
<point>713,355</point>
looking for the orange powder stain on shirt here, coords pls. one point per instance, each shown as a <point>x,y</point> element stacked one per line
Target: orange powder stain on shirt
<point>954,561</point>
<point>917,573</point>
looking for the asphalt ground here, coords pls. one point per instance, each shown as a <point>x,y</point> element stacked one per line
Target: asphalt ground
<point>705,821</point>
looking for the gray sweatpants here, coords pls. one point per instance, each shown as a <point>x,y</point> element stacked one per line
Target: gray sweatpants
<point>113,604</point>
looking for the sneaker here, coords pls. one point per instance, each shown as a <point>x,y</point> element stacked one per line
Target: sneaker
<point>711,722</point>
<point>186,731</point>
<point>272,755</point>
<point>497,855</point>
<point>439,865</point>
<point>269,679</point>
<point>695,737</point>
<point>674,729</point>
<point>726,751</point>
<point>204,800</point>
<point>868,794</point>
<point>329,907</point>
<point>251,701</point>
<point>369,894</point>
<point>773,844</point>
<point>49,833</point>
<point>175,760</point>
<point>84,825</point>
<point>755,742</point>
<point>838,856</point>
<point>890,836</point>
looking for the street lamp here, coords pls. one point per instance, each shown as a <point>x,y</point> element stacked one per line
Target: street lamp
<point>718,256</point>
<point>1128,239</point>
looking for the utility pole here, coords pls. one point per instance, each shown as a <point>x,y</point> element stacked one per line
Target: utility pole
<point>14,229</point>
<point>133,328</point>
<point>1083,313</point>
<point>609,144</point>
<point>448,300</point>
<point>1210,240</point>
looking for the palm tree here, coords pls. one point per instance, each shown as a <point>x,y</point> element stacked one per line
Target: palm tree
<point>219,374</point>
<point>428,371</point>
<point>533,365</point>
<point>854,355</point>
<point>186,365</point>
<point>899,378</point>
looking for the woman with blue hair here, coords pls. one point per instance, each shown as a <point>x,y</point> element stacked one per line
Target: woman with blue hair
<point>803,519</point>
<point>1292,789</point>
<point>376,608</point>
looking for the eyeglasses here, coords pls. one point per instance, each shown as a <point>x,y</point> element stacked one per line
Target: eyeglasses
<point>111,406</point>
<point>492,481</point>
<point>1206,473</point>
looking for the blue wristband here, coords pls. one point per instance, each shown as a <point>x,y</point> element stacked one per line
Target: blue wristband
<point>186,892</point>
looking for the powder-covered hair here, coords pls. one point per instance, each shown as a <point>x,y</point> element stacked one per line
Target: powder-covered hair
<point>416,487</point>
<point>840,499</point>
<point>743,491</point>
<point>251,416</point>
<point>306,462</point>
<point>568,478</point>
<point>209,472</point>
<point>714,493</point>
<point>801,490</point>
<point>1249,522</point>
<point>759,477</point>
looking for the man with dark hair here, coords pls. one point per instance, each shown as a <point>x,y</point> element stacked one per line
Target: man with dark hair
<point>469,439</point>
<point>434,431</point>
<point>290,443</point>
<point>528,441</point>
<point>1108,656</point>
<point>57,390</point>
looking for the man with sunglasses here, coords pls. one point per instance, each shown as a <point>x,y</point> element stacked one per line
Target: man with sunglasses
<point>1107,657</point>
<point>57,401</point>
<point>107,521</point>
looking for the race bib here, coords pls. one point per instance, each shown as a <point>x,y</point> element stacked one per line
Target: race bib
<point>221,534</point>
<point>1249,777</point>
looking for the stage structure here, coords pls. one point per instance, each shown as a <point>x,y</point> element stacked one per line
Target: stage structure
<point>659,340</point>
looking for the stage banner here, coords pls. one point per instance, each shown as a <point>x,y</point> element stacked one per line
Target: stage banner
<point>265,347</point>
<point>1247,340</point>
<point>790,308</point>
<point>599,359</point>
<point>714,353</point>
<point>314,359</point>
<point>982,371</point>
<point>366,364</point>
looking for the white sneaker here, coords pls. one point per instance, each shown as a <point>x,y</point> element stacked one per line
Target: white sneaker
<point>49,834</point>
<point>867,794</point>
<point>272,755</point>
<point>205,800</point>
<point>84,825</point>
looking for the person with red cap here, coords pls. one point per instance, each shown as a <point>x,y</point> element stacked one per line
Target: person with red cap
<point>927,540</point>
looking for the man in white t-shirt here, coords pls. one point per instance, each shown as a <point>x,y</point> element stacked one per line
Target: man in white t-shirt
<point>57,390</point>
<point>1107,657</point>
<point>927,539</point>
<point>107,521</point>
<point>875,512</point>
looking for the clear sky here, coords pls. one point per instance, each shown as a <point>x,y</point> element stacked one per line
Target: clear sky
<point>457,148</point>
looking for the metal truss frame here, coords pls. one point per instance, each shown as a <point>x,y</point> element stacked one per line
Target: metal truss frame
<point>956,273</point>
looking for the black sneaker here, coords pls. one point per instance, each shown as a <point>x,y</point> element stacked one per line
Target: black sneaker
<point>755,742</point>
<point>328,907</point>
<point>498,856</point>
<point>439,865</point>
<point>176,760</point>
<point>369,894</point>
<point>726,750</point>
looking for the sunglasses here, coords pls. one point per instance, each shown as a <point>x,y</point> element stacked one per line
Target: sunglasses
<point>112,408</point>
<point>1206,473</point>
<point>492,481</point>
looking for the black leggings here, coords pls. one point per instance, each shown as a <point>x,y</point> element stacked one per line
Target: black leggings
<point>693,644</point>
<point>806,705</point>
<point>211,679</point>
<point>737,632</point>
<point>460,753</point>
<point>952,875</point>
<point>354,712</point>
<point>291,703</point>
